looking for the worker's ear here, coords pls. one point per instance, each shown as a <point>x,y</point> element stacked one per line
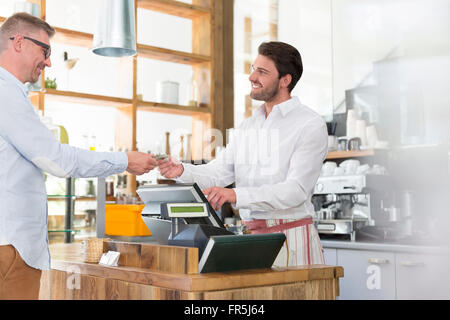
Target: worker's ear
<point>285,81</point>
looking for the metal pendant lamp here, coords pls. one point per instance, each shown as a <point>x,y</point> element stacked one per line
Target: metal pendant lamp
<point>115,35</point>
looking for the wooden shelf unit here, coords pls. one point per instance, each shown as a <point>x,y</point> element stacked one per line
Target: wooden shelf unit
<point>212,47</point>
<point>156,53</point>
<point>83,39</point>
<point>99,100</point>
<point>175,8</point>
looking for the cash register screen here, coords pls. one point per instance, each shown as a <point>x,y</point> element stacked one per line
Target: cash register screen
<point>187,209</point>
<point>154,195</point>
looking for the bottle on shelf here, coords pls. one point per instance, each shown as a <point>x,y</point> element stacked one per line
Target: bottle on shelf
<point>168,143</point>
<point>181,154</point>
<point>188,156</point>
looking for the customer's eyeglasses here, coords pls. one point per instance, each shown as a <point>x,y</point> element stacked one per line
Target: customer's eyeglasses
<point>47,48</point>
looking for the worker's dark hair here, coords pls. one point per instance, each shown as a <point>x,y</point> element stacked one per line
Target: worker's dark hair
<point>287,60</point>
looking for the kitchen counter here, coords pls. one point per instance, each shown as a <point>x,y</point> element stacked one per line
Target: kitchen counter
<point>150,271</point>
<point>385,246</point>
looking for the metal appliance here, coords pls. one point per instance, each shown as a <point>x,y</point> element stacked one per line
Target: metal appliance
<point>410,204</point>
<point>180,215</point>
<point>342,205</point>
<point>392,209</point>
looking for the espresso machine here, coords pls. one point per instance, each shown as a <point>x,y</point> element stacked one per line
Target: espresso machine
<point>342,205</point>
<point>410,204</point>
<point>407,204</point>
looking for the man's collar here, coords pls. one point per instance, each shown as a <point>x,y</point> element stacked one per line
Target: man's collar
<point>284,107</point>
<point>10,77</point>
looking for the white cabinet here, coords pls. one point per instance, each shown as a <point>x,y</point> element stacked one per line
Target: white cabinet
<point>330,256</point>
<point>367,274</point>
<point>422,276</point>
<point>372,275</point>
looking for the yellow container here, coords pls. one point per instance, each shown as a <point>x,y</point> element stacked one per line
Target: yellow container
<point>125,220</point>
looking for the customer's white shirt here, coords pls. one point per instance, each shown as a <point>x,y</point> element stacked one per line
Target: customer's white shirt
<point>27,149</point>
<point>275,162</point>
<point>3,241</point>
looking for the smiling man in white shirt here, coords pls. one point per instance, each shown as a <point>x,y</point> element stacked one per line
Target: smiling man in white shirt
<point>274,158</point>
<point>27,149</point>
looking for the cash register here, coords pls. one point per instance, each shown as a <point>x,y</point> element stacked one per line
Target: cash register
<point>180,215</point>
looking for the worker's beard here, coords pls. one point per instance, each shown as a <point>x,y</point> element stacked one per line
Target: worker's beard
<point>266,94</point>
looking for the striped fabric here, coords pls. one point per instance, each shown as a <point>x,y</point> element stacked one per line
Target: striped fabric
<point>303,243</point>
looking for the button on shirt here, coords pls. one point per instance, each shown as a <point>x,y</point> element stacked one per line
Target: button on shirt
<point>27,149</point>
<point>274,161</point>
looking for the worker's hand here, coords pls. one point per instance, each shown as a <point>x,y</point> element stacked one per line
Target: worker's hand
<point>170,168</point>
<point>218,196</point>
<point>140,163</point>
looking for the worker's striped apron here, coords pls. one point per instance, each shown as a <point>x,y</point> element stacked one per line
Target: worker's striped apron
<point>303,242</point>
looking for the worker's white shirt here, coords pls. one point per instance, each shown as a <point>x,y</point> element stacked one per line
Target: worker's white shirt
<point>275,162</point>
<point>27,149</point>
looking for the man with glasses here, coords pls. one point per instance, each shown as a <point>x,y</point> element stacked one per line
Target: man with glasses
<point>27,149</point>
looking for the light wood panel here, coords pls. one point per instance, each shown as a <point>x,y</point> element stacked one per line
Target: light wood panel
<point>71,279</point>
<point>175,8</point>
<point>172,108</point>
<point>87,98</point>
<point>156,257</point>
<point>98,288</point>
<point>349,154</point>
<point>73,38</point>
<point>204,282</point>
<point>151,52</point>
<point>223,67</point>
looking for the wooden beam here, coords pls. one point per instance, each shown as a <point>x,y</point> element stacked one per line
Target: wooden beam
<point>172,109</point>
<point>151,52</point>
<point>175,8</point>
<point>86,98</point>
<point>73,38</point>
<point>223,66</point>
<point>350,154</point>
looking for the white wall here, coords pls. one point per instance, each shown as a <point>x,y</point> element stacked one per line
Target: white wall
<point>306,25</point>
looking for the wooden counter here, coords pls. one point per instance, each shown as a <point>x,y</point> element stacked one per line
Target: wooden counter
<point>171,273</point>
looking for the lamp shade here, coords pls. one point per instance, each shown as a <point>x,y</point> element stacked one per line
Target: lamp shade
<point>115,35</point>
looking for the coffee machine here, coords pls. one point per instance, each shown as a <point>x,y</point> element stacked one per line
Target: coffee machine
<point>410,204</point>
<point>342,205</point>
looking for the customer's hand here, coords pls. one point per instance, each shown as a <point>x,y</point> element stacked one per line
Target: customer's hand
<point>170,168</point>
<point>218,196</point>
<point>140,163</point>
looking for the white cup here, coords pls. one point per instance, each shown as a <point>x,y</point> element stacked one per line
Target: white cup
<point>328,168</point>
<point>167,92</point>
<point>339,171</point>
<point>350,166</point>
<point>332,143</point>
<point>351,123</point>
<point>363,169</point>
<point>361,131</point>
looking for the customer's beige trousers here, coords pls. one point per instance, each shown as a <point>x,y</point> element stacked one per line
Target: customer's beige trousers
<point>18,281</point>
